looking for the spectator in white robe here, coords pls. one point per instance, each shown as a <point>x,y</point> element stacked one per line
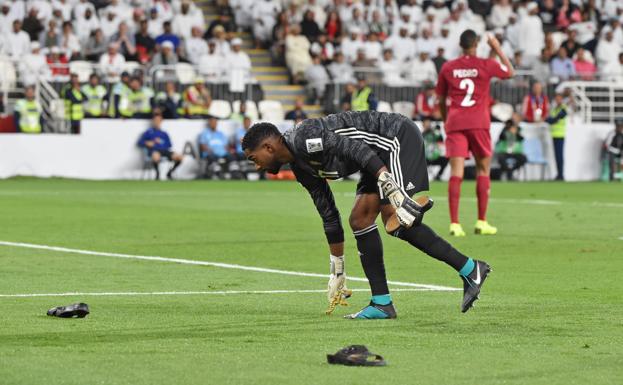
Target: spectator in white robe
<point>297,53</point>
<point>340,70</point>
<point>196,46</point>
<point>351,44</point>
<point>500,13</point>
<point>391,69</point>
<point>111,63</point>
<point>373,47</point>
<point>184,21</point>
<point>86,24</point>
<point>34,65</point>
<point>238,66</point>
<point>65,7</point>
<point>531,35</point>
<point>264,18</point>
<point>317,79</point>
<point>402,45</point>
<point>211,65</point>
<point>607,53</point>
<point>17,42</point>
<point>420,70</point>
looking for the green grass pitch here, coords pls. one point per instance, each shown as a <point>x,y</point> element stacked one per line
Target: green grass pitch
<point>551,312</point>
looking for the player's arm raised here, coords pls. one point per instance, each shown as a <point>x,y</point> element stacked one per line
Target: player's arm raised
<point>495,46</point>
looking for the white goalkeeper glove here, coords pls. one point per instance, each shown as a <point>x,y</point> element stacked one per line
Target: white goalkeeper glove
<point>408,212</point>
<point>336,288</point>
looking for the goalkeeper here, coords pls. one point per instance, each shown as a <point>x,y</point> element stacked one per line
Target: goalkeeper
<point>388,150</point>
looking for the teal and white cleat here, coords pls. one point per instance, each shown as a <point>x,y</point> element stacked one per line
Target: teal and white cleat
<point>375,311</point>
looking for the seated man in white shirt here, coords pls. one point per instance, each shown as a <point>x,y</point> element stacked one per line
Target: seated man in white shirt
<point>391,69</point>
<point>212,65</point>
<point>421,70</point>
<point>34,65</point>
<point>341,72</point>
<point>196,46</point>
<point>111,63</point>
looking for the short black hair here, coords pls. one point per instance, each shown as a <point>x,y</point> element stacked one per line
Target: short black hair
<point>257,133</point>
<point>469,38</point>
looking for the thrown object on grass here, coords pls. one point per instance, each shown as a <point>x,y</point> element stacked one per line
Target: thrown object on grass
<point>76,310</point>
<point>356,355</point>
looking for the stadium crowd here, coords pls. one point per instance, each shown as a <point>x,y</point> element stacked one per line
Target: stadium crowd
<point>322,42</point>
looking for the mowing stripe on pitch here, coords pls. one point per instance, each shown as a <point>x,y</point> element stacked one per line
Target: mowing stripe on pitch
<point>160,293</point>
<point>206,263</point>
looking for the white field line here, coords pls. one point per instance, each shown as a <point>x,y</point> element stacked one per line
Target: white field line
<point>213,264</point>
<point>159,293</point>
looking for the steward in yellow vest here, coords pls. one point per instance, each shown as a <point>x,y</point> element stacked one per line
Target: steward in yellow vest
<point>197,100</point>
<point>27,113</point>
<point>96,94</point>
<point>139,101</point>
<point>74,100</point>
<point>362,98</point>
<point>558,127</point>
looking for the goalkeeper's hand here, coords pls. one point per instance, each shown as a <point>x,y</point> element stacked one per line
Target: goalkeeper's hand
<point>408,212</point>
<point>336,288</point>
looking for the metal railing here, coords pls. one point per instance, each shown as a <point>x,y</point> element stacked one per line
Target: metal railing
<point>597,101</point>
<point>53,108</point>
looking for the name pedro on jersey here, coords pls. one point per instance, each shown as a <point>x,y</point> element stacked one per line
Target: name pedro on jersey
<point>465,73</point>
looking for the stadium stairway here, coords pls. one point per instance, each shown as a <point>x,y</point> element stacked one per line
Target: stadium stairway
<point>274,80</point>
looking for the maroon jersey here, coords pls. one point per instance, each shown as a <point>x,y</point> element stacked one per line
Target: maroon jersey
<point>465,83</point>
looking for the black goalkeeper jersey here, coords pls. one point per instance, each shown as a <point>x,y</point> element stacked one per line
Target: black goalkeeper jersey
<point>336,146</point>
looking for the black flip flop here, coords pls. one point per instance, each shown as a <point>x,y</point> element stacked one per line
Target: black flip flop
<point>356,355</point>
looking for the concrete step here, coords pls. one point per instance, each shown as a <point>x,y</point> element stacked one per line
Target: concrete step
<point>261,60</point>
<point>287,99</point>
<point>269,71</point>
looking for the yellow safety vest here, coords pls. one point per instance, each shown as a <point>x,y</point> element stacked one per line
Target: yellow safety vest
<point>137,102</point>
<point>29,116</point>
<point>74,111</point>
<point>194,108</point>
<point>95,95</point>
<point>359,99</point>
<point>122,91</point>
<point>559,128</point>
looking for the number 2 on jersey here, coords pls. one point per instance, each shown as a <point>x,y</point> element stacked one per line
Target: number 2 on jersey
<point>467,100</point>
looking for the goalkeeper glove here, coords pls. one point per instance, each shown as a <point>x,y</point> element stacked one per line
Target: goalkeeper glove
<point>336,288</point>
<point>408,212</point>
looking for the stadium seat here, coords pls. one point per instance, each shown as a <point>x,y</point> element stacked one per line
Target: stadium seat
<point>502,111</point>
<point>533,149</point>
<point>271,110</point>
<point>220,108</point>
<point>384,107</point>
<point>404,108</point>
<point>185,73</point>
<point>82,68</point>
<point>8,76</point>
<point>251,109</point>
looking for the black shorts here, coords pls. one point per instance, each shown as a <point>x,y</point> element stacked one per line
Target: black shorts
<point>407,164</point>
<point>163,153</point>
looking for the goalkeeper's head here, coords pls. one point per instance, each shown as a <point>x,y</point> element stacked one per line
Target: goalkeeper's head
<point>263,145</point>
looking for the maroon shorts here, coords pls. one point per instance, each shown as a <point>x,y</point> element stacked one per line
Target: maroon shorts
<point>460,143</point>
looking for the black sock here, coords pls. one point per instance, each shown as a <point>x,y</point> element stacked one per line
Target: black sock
<point>371,254</point>
<point>175,165</point>
<point>425,239</point>
<point>157,170</point>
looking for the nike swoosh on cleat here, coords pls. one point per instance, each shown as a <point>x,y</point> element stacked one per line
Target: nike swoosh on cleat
<point>478,278</point>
